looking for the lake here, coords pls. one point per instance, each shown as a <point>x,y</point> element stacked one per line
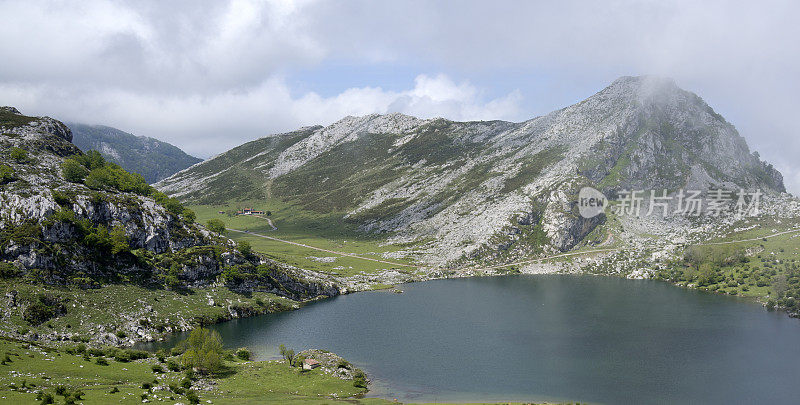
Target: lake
<point>546,337</point>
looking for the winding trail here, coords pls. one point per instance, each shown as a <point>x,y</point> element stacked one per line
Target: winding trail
<point>269,221</point>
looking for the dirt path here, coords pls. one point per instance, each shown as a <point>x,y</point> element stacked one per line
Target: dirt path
<point>321,249</point>
<point>269,221</point>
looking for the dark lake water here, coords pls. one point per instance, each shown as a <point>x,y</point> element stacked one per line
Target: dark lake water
<point>547,337</point>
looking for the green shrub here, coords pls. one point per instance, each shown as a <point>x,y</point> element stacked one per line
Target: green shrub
<point>216,226</point>
<point>73,171</point>
<point>137,354</point>
<point>94,171</point>
<point>172,205</point>
<point>114,177</point>
<point>45,398</point>
<point>95,352</point>
<point>192,397</point>
<point>119,240</point>
<point>122,357</point>
<point>18,154</point>
<point>43,308</point>
<point>243,353</point>
<point>7,174</point>
<point>173,366</point>
<point>244,248</point>
<point>8,270</point>
<point>101,361</point>
<point>90,160</point>
<point>359,379</point>
<point>157,368</point>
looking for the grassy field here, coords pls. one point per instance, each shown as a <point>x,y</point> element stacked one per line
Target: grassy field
<point>324,231</point>
<point>274,381</point>
<point>748,263</point>
<point>31,370</point>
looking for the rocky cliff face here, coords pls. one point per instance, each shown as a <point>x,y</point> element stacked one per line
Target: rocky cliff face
<point>494,190</point>
<point>61,232</point>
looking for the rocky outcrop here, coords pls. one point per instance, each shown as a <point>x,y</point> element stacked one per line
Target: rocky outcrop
<point>332,364</point>
<point>65,232</point>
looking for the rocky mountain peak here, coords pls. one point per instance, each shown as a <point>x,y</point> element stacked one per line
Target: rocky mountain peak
<point>396,123</point>
<point>14,122</point>
<point>648,92</point>
<point>9,109</point>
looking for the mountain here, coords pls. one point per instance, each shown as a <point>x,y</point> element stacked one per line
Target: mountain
<point>153,159</point>
<point>488,190</point>
<point>70,218</point>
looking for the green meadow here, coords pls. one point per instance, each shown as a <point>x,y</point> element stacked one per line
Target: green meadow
<point>324,231</point>
<point>31,373</point>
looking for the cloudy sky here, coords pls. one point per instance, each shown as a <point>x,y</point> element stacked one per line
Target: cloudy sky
<point>209,76</point>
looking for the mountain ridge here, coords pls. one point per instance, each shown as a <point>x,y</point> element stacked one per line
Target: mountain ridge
<point>152,158</point>
<point>483,187</point>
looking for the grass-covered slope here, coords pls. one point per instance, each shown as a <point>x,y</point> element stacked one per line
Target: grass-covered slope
<point>32,373</point>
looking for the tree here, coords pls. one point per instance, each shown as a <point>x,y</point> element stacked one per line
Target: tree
<point>73,171</point>
<point>203,351</point>
<point>91,160</point>
<point>189,215</point>
<point>287,354</point>
<point>244,248</point>
<point>707,274</point>
<point>119,241</point>
<point>216,226</point>
<point>779,284</point>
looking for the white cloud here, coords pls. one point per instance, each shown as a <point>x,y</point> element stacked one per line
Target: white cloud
<point>208,124</point>
<point>81,58</point>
